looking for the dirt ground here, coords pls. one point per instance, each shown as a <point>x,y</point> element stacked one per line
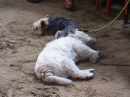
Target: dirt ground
<point>19,49</point>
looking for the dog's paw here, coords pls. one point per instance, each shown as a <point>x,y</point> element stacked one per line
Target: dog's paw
<point>93,59</point>
<point>89,73</point>
<point>91,70</point>
<point>101,54</point>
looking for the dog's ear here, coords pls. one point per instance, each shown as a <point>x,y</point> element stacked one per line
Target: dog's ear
<point>71,30</point>
<point>47,16</point>
<point>43,27</point>
<point>43,24</point>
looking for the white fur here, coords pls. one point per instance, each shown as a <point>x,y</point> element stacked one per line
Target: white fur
<point>37,23</point>
<point>57,60</point>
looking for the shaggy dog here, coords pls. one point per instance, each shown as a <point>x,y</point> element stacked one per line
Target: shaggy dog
<point>57,60</point>
<point>50,26</point>
<point>58,27</point>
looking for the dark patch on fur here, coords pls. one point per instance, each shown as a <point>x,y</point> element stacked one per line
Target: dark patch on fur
<point>58,24</point>
<point>43,28</point>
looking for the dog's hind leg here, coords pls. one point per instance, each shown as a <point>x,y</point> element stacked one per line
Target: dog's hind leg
<point>86,52</point>
<point>73,71</point>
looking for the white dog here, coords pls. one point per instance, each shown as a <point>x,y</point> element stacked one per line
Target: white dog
<point>57,60</point>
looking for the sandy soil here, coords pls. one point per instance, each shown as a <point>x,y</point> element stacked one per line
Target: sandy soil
<point>19,50</point>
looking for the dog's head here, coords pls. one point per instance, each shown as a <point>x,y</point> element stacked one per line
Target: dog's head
<point>40,26</point>
<point>85,38</point>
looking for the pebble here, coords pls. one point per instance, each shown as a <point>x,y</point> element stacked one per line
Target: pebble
<point>3,44</point>
<point>11,41</point>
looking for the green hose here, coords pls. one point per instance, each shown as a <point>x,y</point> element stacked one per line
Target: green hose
<point>111,21</point>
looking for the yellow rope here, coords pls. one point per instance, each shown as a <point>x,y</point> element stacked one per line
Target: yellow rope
<point>112,20</point>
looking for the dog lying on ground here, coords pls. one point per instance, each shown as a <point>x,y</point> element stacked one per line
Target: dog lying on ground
<point>50,26</point>
<point>58,27</point>
<point>57,60</point>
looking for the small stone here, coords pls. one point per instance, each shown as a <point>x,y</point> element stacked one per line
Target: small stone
<point>3,44</point>
<point>12,41</point>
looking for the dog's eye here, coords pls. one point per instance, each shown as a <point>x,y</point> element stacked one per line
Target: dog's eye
<point>35,29</point>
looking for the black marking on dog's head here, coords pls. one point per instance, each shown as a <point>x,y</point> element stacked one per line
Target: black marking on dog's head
<point>43,28</point>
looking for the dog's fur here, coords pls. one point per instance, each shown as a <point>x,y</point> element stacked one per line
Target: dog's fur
<point>50,26</point>
<point>57,60</point>
<point>58,27</point>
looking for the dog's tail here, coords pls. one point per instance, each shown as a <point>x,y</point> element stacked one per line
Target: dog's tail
<point>44,73</point>
<point>58,80</point>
